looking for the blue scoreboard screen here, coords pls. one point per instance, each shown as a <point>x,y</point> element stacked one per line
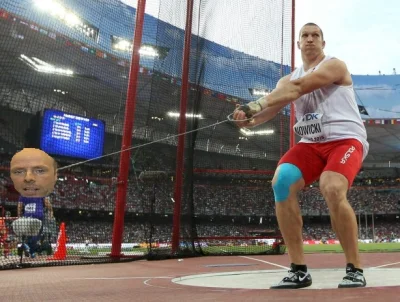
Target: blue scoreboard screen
<point>71,135</point>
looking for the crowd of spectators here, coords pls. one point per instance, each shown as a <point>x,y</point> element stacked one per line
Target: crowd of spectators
<point>209,198</point>
<point>212,197</point>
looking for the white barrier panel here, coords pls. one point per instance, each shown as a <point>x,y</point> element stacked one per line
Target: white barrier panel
<point>267,241</point>
<point>97,246</point>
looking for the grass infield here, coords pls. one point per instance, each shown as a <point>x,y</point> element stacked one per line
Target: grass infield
<point>315,248</point>
<point>364,248</point>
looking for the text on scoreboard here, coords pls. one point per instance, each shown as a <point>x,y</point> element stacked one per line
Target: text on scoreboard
<point>71,135</point>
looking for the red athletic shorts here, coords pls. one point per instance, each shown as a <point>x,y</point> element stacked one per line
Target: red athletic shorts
<point>341,156</point>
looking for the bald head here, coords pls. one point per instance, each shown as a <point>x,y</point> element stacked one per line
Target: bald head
<point>30,153</point>
<point>33,172</point>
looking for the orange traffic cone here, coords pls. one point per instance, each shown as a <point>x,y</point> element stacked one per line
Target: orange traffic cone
<point>61,248</point>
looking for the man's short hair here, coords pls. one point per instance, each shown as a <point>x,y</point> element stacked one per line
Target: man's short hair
<point>313,24</point>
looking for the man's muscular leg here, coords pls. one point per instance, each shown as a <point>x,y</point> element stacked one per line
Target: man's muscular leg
<point>300,165</point>
<point>333,187</point>
<point>286,184</point>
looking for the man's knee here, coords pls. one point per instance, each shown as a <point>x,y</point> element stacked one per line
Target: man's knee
<point>333,187</point>
<point>285,177</point>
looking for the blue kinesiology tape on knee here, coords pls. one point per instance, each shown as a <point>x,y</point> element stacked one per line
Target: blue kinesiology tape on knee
<point>288,174</point>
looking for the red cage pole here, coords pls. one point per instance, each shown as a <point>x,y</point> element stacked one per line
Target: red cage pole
<point>292,113</point>
<point>182,128</point>
<point>130,107</point>
<point>281,116</point>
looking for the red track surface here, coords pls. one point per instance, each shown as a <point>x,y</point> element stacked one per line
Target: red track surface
<point>140,281</point>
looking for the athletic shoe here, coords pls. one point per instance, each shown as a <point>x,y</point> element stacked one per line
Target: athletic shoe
<point>353,279</point>
<point>23,248</point>
<point>294,279</point>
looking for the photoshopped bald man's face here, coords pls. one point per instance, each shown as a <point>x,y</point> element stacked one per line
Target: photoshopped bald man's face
<point>33,173</point>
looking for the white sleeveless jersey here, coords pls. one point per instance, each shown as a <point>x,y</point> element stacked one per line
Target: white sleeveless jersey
<point>328,114</point>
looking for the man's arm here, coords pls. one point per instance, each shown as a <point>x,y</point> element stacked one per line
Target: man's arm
<point>48,205</point>
<point>330,72</point>
<point>19,209</point>
<point>266,114</point>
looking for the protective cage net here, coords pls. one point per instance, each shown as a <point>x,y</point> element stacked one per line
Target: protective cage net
<point>63,88</point>
<point>225,197</point>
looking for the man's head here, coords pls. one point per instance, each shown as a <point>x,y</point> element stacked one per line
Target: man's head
<point>311,39</point>
<point>33,172</point>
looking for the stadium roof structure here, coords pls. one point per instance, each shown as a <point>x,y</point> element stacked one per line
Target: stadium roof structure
<point>223,69</point>
<point>378,97</point>
<point>384,141</point>
<point>98,76</point>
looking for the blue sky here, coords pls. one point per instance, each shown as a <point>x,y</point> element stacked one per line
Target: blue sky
<point>363,33</point>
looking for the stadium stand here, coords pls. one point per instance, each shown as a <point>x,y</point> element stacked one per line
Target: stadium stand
<point>228,194</point>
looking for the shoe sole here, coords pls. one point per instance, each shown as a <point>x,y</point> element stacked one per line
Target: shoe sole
<point>352,285</point>
<point>297,286</point>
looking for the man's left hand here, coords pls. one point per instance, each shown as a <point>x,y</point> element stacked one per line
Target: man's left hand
<point>251,108</point>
